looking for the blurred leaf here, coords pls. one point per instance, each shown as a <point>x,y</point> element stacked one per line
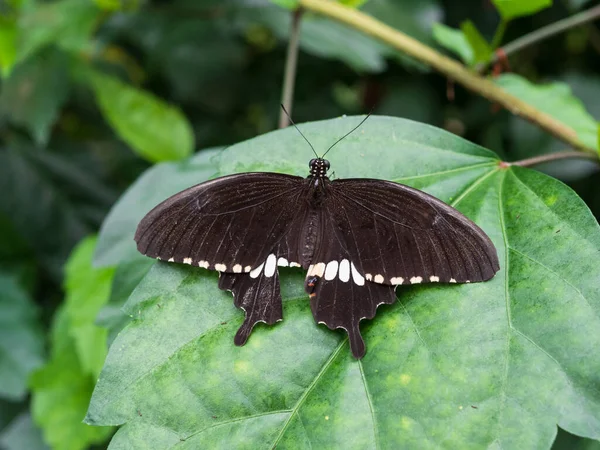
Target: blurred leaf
<point>66,23</point>
<point>128,275</point>
<point>8,52</point>
<point>35,92</point>
<point>115,243</point>
<point>87,291</point>
<point>509,9</point>
<point>154,129</point>
<point>60,393</point>
<point>50,202</point>
<point>22,434</point>
<point>117,5</point>
<point>497,362</point>
<point>557,100</point>
<point>413,17</point>
<point>455,41</point>
<point>330,39</point>
<point>293,4</point>
<point>482,51</point>
<point>21,340</point>
<point>567,441</point>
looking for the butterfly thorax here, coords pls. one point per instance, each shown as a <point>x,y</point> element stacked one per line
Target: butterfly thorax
<point>318,180</point>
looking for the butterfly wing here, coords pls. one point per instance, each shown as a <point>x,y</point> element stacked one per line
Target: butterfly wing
<point>378,234</point>
<point>340,297</point>
<point>243,226</point>
<point>411,237</point>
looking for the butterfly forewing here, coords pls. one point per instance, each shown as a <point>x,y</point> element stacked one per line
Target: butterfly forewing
<point>411,237</point>
<point>230,224</point>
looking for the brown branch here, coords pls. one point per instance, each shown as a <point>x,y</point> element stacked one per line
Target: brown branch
<point>552,157</point>
<point>449,67</point>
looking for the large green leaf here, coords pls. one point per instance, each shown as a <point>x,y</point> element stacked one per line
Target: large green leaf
<point>154,129</point>
<point>60,392</point>
<point>509,9</point>
<point>21,340</point>
<point>496,364</point>
<point>87,291</point>
<point>115,242</point>
<point>557,100</point>
<point>128,275</point>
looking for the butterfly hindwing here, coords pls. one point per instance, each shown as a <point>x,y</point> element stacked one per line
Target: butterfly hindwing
<point>340,296</point>
<point>259,296</point>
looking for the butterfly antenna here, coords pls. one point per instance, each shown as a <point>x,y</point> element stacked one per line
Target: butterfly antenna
<point>289,117</point>
<point>347,134</point>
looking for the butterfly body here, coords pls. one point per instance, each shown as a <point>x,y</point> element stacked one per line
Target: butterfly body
<point>357,238</point>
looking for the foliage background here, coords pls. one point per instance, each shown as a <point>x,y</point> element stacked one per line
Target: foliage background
<point>94,93</point>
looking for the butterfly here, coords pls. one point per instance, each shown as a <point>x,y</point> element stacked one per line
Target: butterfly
<point>358,239</point>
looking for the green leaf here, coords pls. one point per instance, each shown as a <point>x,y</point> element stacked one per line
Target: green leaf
<point>65,23</point>
<point>8,51</point>
<point>155,130</point>
<point>499,363</point>
<point>66,197</point>
<point>482,51</point>
<point>115,243</point>
<point>455,41</point>
<point>128,275</point>
<point>21,340</point>
<point>556,100</point>
<point>87,291</point>
<point>61,392</point>
<point>35,92</point>
<point>22,434</point>
<point>510,9</point>
<point>117,5</point>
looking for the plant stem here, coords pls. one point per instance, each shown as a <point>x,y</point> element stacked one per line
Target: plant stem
<point>289,79</point>
<point>552,157</point>
<point>447,66</point>
<point>546,32</point>
<point>499,34</point>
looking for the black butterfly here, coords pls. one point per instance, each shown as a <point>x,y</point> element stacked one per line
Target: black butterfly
<point>358,239</point>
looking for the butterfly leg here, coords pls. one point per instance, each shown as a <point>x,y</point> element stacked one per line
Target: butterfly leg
<point>343,304</point>
<point>259,297</point>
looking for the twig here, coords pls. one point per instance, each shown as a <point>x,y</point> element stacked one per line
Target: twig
<point>289,79</point>
<point>499,34</point>
<point>551,157</point>
<point>546,32</point>
<point>447,66</point>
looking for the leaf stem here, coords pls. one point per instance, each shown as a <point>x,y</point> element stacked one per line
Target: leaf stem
<point>546,32</point>
<point>447,66</point>
<point>291,63</point>
<point>499,34</point>
<point>552,157</point>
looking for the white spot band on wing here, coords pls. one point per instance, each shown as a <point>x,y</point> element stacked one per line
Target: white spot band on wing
<point>270,265</point>
<point>331,270</point>
<point>344,271</point>
<point>356,276</point>
<point>256,272</point>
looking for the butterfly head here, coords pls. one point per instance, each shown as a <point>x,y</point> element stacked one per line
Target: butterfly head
<point>318,167</point>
